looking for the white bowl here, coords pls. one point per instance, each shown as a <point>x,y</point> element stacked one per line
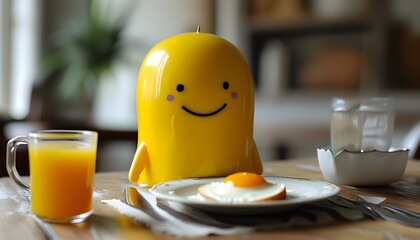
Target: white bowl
<point>373,168</point>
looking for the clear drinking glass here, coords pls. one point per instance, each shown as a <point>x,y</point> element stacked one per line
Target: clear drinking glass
<point>62,170</point>
<point>362,124</point>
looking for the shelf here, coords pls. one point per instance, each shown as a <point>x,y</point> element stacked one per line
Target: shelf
<point>364,33</point>
<point>309,26</point>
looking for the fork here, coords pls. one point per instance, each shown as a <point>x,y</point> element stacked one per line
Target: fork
<point>386,212</point>
<point>411,216</point>
<point>344,202</point>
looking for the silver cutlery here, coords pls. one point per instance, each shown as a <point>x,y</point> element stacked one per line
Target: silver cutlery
<point>46,228</point>
<point>343,202</point>
<point>133,198</point>
<point>386,212</point>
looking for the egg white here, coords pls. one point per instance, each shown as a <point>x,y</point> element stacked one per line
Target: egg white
<point>228,193</point>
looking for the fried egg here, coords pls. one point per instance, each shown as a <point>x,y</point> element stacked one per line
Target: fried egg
<point>243,187</point>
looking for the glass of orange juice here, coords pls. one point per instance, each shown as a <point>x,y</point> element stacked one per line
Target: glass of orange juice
<point>62,169</point>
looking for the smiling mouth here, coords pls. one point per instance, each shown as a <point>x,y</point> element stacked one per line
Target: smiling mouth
<point>204,114</point>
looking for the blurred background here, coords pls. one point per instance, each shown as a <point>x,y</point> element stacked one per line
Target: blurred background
<point>74,63</point>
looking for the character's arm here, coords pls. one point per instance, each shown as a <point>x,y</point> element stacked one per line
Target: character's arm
<point>139,161</point>
<point>258,167</point>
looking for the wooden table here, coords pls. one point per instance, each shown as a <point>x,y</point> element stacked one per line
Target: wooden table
<point>107,223</point>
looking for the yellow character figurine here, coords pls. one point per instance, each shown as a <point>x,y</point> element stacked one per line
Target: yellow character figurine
<point>195,106</point>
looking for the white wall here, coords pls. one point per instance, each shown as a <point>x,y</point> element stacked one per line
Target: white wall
<point>4,56</point>
<point>152,21</point>
<point>19,54</point>
<point>231,23</point>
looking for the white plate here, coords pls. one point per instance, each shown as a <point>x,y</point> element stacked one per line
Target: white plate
<point>298,191</point>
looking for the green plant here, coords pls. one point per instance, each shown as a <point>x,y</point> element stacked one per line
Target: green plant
<point>80,56</point>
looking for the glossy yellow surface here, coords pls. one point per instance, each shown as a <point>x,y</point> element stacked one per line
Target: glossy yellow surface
<point>195,106</point>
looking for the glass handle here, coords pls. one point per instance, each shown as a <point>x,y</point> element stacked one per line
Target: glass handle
<point>12,146</point>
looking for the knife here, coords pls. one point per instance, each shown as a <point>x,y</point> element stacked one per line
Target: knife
<point>133,198</point>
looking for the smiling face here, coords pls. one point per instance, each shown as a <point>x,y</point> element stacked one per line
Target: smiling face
<point>189,80</point>
<point>180,88</point>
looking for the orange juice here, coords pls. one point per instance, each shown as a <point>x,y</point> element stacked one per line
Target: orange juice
<point>62,174</point>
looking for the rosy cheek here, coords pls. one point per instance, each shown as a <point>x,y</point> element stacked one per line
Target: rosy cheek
<point>234,95</point>
<point>170,98</point>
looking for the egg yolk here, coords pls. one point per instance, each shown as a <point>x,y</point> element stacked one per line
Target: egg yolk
<point>245,179</point>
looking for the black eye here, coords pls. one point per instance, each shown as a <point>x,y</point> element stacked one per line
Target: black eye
<point>180,87</point>
<point>226,85</point>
